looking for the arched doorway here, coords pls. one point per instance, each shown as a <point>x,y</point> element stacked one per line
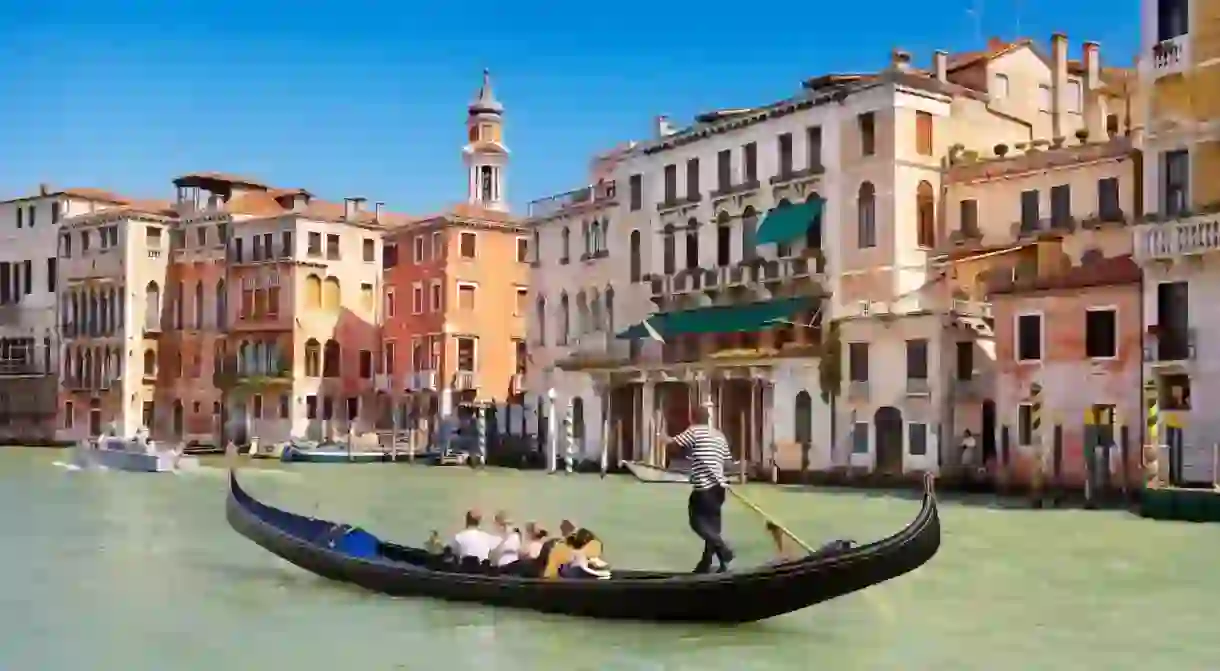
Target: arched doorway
<point>887,427</point>
<point>179,421</point>
<point>803,430</point>
<point>578,424</point>
<point>987,441</point>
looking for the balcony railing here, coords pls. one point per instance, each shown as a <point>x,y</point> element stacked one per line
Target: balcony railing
<point>1175,240</point>
<point>602,192</point>
<point>1170,346</point>
<point>421,380</point>
<point>1170,56</point>
<point>465,380</point>
<point>598,349</point>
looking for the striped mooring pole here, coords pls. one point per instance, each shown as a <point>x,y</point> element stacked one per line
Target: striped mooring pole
<point>1037,473</point>
<point>481,425</point>
<point>569,435</point>
<point>1152,421</point>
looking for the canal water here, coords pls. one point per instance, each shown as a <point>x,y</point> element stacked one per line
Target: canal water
<point>123,571</point>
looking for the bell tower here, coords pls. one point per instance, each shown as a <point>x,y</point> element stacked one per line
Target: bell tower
<point>485,155</point>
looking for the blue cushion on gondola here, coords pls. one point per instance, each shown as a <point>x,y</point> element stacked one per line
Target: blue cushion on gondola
<point>352,541</point>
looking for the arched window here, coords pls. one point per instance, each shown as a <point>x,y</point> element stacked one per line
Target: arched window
<point>541,316</point>
<point>565,241</point>
<point>221,305</point>
<point>866,216</point>
<point>724,239</point>
<point>198,304</point>
<point>595,235</point>
<point>313,291</point>
<point>152,307</point>
<point>610,309</point>
<point>749,228</point>
<point>635,256</point>
<point>331,355</point>
<point>582,313</point>
<point>925,212</point>
<point>331,294</point>
<point>813,230</point>
<point>104,311</point>
<point>802,430</point>
<point>258,359</point>
<point>564,320</point>
<point>218,357</point>
<point>150,363</point>
<point>595,311</point>
<point>692,244</point>
<point>313,358</point>
<point>668,260</point>
<point>783,249</point>
<point>243,358</point>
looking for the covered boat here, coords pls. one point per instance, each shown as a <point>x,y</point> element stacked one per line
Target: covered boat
<point>348,554</point>
<point>138,454</point>
<point>332,453</point>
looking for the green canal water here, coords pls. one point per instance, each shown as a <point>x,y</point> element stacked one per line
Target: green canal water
<point>125,571</point>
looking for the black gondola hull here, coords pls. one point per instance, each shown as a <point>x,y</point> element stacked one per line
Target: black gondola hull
<point>739,596</point>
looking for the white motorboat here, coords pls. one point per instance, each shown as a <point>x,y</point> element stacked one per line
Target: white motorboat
<point>131,454</point>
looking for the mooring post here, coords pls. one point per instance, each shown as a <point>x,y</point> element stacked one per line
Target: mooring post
<point>1090,455</point>
<point>1124,448</point>
<point>1057,490</point>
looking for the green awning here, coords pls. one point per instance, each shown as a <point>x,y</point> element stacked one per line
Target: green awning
<point>721,318</point>
<point>785,224</point>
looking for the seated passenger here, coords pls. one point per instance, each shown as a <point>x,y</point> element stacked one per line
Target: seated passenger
<point>473,541</point>
<point>537,536</point>
<point>508,550</point>
<point>434,544</point>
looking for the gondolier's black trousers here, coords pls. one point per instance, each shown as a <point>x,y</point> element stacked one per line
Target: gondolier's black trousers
<point>703,508</point>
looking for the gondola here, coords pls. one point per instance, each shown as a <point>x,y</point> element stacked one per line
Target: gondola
<point>349,554</point>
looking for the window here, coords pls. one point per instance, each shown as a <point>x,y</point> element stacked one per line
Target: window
<point>466,354</point>
<point>28,269</point>
<point>923,133</point>
<point>285,406</point>
<point>749,163</point>
<point>1175,175</point>
<point>466,245</point>
<point>859,438</point>
<point>523,250</point>
<point>201,236</point>
<point>965,361</point>
<point>857,361</point>
<point>237,248</point>
<point>917,359</point>
<point>565,245</point>
<point>1025,424</point>
<point>332,246</point>
<point>389,255</point>
<point>368,250</point>
<point>52,273</point>
<point>313,248</point>
<point>1172,19</point>
<point>813,147</point>
<point>1075,99</point>
<point>417,298</point>
<point>1045,99</point>
<point>418,360</point>
<point>692,179</point>
<point>969,217</point>
<point>1061,205</point>
<point>925,213</point>
<point>692,245</point>
<point>418,248</point>
<point>520,357</point>
<point>389,302</point>
<point>634,269</point>
<point>366,364</point>
<point>438,246</point>
<point>523,302</point>
<point>1101,333</point>
<point>1029,338</point>
<point>353,407</point>
<point>866,216</point>
<point>668,262</point>
<point>69,410</point>
<point>785,154</point>
<point>868,133</point>
<point>256,248</point>
<point>917,439</point>
<point>268,245</point>
<point>388,354</point>
<point>1029,211</point>
<point>999,86</point>
<point>635,189</point>
<point>1109,207</point>
<point>466,296</point>
<point>724,170</point>
<point>285,243</point>
<point>724,241</point>
<point>20,216</point>
<point>54,213</point>
<point>65,246</point>
<point>671,183</point>
<point>437,297</point>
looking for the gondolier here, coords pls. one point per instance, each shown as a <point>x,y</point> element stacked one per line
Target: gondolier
<point>707,451</point>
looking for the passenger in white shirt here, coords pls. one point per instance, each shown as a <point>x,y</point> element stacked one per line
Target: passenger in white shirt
<point>508,550</point>
<point>473,541</point>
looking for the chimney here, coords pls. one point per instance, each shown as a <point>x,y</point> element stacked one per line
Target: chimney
<point>663,127</point>
<point>1059,61</point>
<point>900,60</point>
<point>377,211</point>
<point>1094,114</point>
<point>44,189</point>
<point>995,44</point>
<point>352,207</point>
<point>940,65</point>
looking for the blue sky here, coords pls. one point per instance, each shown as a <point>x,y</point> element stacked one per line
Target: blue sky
<point>362,98</point>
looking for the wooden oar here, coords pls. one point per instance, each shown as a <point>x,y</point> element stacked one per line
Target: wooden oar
<point>770,520</point>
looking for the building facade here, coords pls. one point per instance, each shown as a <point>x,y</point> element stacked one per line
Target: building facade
<point>237,310</point>
<point>1180,67</point>
<point>456,289</point>
<point>29,277</point>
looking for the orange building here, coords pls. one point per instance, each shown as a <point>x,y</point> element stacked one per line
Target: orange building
<point>456,287</point>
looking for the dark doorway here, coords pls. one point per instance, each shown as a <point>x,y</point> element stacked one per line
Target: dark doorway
<point>803,431</point>
<point>887,425</point>
<point>988,438</point>
<point>95,418</point>
<point>623,424</point>
<point>179,420</point>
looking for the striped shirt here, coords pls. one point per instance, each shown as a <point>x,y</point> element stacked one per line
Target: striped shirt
<point>707,450</point>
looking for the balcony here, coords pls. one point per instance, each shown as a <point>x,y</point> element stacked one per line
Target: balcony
<point>969,390</point>
<point>857,390</point>
<point>596,350</point>
<point>465,380</point>
<point>1169,347</point>
<point>18,368</point>
<point>383,382</point>
<point>602,193</point>
<point>1170,56</point>
<point>1177,240</point>
<point>918,386</point>
<point>421,380</point>
<point>517,384</point>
